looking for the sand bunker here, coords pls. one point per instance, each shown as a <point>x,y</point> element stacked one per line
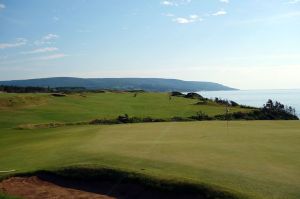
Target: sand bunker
<point>50,186</point>
<point>35,188</point>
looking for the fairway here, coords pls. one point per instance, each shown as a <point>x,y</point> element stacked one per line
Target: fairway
<point>259,159</point>
<point>44,108</point>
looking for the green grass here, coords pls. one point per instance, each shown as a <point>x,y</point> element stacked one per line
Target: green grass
<point>43,108</point>
<point>259,159</point>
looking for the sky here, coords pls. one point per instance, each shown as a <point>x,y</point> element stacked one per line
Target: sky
<point>248,44</point>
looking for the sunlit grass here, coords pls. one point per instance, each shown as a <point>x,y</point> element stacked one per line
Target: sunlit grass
<point>258,158</point>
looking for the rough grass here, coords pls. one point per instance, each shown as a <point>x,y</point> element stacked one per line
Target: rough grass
<point>258,159</point>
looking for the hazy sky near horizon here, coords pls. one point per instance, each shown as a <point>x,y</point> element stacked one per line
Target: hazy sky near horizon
<point>246,44</point>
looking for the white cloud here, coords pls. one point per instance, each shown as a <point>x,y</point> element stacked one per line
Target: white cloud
<point>8,61</point>
<point>187,20</point>
<point>48,39</point>
<point>224,1</point>
<point>2,6</point>
<point>41,50</point>
<point>182,20</point>
<point>175,2</point>
<point>19,42</point>
<point>51,57</point>
<point>167,3</point>
<point>194,16</point>
<point>219,13</point>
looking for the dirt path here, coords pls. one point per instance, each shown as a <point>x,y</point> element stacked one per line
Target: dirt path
<point>35,188</point>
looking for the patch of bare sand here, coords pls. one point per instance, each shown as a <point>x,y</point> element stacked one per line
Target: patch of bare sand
<point>35,188</point>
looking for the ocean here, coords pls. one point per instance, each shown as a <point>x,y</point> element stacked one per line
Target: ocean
<point>258,98</point>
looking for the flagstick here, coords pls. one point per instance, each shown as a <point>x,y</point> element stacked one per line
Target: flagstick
<point>227,119</point>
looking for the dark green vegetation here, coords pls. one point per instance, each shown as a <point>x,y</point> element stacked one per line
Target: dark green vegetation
<point>270,111</point>
<point>147,84</point>
<point>20,89</point>
<point>258,159</point>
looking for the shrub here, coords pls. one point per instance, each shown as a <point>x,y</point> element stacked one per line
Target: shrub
<point>247,107</point>
<point>176,94</point>
<point>194,96</point>
<point>270,111</point>
<point>123,118</point>
<point>58,95</point>
<point>233,103</point>
<point>178,119</point>
<point>222,101</point>
<point>104,121</point>
<point>201,103</point>
<point>201,116</point>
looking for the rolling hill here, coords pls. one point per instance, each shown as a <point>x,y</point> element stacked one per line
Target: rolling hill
<point>147,84</point>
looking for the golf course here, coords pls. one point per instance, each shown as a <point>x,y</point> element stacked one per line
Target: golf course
<point>242,159</point>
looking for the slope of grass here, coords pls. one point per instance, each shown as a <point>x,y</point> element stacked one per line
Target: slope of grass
<point>43,108</point>
<point>259,159</point>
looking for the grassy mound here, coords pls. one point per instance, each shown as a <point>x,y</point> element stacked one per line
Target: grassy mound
<point>21,100</point>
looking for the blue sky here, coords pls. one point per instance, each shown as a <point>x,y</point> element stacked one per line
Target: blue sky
<point>247,44</point>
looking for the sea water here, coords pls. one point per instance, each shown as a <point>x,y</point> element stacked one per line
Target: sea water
<point>258,98</point>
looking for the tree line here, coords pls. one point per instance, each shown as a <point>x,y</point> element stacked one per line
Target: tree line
<point>25,89</point>
<point>35,89</point>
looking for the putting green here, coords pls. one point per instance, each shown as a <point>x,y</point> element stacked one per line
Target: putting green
<point>257,158</point>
